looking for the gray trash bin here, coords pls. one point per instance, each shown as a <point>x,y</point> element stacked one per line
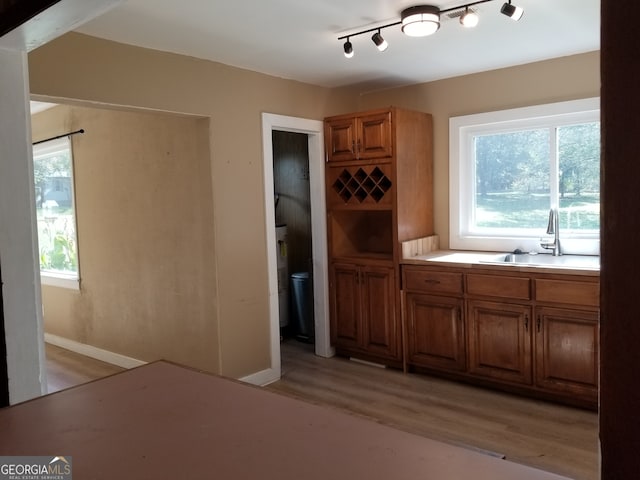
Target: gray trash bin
<point>302,306</point>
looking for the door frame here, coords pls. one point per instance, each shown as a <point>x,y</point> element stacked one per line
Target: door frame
<point>314,131</point>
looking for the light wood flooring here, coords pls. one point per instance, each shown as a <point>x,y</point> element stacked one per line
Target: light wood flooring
<point>544,435</point>
<point>67,369</point>
<point>551,437</point>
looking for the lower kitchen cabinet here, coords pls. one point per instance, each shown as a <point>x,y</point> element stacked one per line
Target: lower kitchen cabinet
<point>363,317</point>
<point>435,332</point>
<point>500,341</point>
<point>567,351</point>
<point>527,332</point>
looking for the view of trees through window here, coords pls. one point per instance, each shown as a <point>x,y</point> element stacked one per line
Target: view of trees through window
<point>519,176</point>
<point>57,245</point>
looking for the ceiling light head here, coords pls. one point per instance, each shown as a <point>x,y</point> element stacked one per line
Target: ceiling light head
<point>469,18</point>
<point>348,49</point>
<point>380,42</point>
<point>512,11</point>
<point>420,21</point>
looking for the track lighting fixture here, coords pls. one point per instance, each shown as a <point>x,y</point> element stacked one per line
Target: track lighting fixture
<point>420,21</point>
<point>469,18</point>
<point>380,42</point>
<point>512,11</point>
<point>348,49</point>
<point>423,20</point>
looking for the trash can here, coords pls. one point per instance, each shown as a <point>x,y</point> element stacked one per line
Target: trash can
<point>302,307</point>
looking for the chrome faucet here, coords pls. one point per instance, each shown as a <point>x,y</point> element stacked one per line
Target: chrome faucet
<point>553,229</point>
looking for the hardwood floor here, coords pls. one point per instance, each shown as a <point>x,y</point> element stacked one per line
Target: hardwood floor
<point>551,437</point>
<point>67,369</point>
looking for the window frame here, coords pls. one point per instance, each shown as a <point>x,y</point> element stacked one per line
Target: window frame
<point>462,179</point>
<point>59,278</point>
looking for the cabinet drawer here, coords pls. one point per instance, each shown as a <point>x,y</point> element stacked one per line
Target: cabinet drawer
<point>569,292</point>
<point>421,280</point>
<point>518,288</point>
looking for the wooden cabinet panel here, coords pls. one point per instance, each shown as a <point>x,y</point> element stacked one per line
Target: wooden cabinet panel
<point>515,288</point>
<point>374,139</point>
<point>568,292</point>
<point>567,351</point>
<point>379,311</point>
<point>435,332</point>
<point>419,279</point>
<point>345,312</point>
<point>500,341</point>
<point>340,137</point>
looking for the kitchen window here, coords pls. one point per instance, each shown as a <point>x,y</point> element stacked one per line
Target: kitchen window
<point>509,168</point>
<point>55,213</point>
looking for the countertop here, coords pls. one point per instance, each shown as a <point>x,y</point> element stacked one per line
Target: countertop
<point>540,263</point>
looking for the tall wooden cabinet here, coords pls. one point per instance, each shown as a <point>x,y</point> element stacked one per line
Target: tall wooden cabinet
<point>379,189</point>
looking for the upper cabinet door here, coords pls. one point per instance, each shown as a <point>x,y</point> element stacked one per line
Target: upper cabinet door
<point>340,138</point>
<point>359,138</point>
<point>374,139</point>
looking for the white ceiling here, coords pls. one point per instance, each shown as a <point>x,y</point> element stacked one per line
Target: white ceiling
<point>297,39</point>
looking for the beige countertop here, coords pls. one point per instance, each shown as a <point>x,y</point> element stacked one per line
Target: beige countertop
<point>539,263</point>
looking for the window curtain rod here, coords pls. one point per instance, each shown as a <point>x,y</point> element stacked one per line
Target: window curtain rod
<point>59,136</point>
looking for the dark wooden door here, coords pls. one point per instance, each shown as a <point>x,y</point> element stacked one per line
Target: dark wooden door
<point>435,332</point>
<point>500,341</point>
<point>4,374</point>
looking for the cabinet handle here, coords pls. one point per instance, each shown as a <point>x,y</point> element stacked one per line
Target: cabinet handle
<point>538,322</point>
<point>358,149</point>
<point>526,322</point>
<point>431,281</point>
<point>353,146</point>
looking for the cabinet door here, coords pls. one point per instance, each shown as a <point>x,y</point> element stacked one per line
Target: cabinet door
<point>500,341</point>
<point>345,306</point>
<point>340,140</point>
<point>435,332</point>
<point>380,325</point>
<point>567,351</point>
<point>374,136</point>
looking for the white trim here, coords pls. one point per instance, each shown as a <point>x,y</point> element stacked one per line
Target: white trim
<point>314,131</point>
<point>93,352</point>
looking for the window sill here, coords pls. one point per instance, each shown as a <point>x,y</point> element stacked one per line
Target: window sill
<point>60,280</point>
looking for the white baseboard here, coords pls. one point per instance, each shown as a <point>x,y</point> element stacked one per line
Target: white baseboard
<point>93,352</point>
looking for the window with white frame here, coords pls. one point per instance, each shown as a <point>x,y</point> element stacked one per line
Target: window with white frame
<point>509,168</point>
<point>55,212</point>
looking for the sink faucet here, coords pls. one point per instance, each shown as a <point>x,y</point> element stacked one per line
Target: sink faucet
<point>553,229</point>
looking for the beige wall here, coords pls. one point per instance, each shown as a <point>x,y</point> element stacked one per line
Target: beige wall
<point>566,78</point>
<point>78,67</point>
<point>145,231</point>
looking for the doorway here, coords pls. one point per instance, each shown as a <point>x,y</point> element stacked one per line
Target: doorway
<point>313,130</point>
<point>292,201</point>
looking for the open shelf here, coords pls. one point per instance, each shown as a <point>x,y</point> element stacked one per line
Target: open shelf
<point>357,233</point>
